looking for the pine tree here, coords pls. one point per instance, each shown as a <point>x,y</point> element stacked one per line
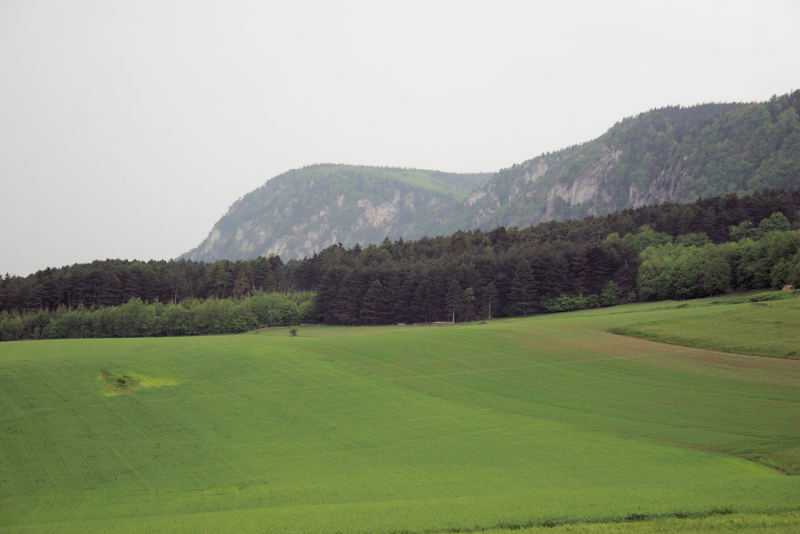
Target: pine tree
<point>523,294</point>
<point>453,298</point>
<point>374,301</point>
<point>467,304</point>
<point>489,297</point>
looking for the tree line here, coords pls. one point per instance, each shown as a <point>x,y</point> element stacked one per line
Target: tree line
<point>667,251</point>
<point>463,277</point>
<point>766,256</point>
<point>115,282</point>
<point>135,318</point>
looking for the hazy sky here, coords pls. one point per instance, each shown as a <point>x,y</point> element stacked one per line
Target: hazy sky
<point>128,128</point>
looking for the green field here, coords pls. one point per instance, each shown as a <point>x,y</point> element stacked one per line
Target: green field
<point>761,324</point>
<point>513,423</point>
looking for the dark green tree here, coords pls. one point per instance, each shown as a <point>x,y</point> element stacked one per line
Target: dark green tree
<point>373,303</point>
<point>489,298</point>
<point>467,304</point>
<point>523,295</point>
<point>453,298</point>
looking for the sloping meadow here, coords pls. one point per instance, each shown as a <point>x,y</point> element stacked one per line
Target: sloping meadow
<point>392,429</point>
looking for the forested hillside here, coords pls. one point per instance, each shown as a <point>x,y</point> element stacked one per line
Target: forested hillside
<point>607,174</point>
<point>672,154</point>
<point>656,252</point>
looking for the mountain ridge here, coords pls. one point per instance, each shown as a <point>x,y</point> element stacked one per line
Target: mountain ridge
<point>669,154</point>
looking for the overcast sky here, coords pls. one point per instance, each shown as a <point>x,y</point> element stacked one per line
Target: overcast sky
<point>128,128</point>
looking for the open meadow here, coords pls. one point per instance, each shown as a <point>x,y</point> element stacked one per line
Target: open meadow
<point>512,423</point>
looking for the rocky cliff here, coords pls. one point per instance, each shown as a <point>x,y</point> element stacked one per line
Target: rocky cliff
<point>671,154</point>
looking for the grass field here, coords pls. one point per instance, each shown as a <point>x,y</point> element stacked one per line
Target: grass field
<point>514,423</point>
<point>760,324</point>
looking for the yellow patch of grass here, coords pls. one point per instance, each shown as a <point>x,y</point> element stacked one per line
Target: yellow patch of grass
<point>128,382</point>
<point>146,381</point>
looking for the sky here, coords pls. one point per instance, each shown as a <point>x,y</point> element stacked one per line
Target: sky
<point>127,128</point>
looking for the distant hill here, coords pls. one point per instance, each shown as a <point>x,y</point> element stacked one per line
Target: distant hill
<point>305,210</point>
<point>672,154</point>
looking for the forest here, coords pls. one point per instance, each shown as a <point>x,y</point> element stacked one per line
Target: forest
<point>711,246</point>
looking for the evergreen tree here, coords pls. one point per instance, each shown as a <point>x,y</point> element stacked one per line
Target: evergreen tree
<point>467,304</point>
<point>453,298</point>
<point>523,296</point>
<point>489,297</point>
<point>373,303</point>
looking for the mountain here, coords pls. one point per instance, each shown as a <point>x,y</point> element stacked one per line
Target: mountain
<point>672,154</point>
<point>305,210</point>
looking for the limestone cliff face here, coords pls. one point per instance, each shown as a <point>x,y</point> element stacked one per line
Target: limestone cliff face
<point>573,183</point>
